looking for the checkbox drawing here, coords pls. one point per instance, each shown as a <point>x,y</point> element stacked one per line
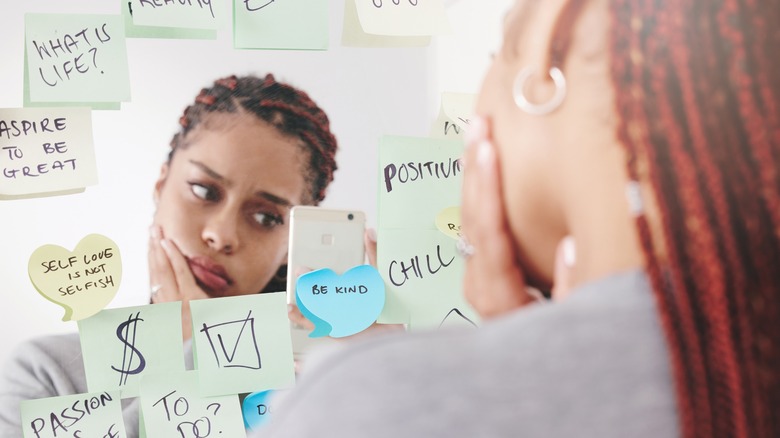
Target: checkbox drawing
<point>234,343</point>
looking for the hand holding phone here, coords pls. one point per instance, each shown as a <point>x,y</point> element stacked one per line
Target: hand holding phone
<point>321,238</point>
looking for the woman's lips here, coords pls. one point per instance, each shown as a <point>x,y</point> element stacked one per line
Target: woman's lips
<point>210,276</point>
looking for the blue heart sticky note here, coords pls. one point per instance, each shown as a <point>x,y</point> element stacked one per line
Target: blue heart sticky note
<point>256,409</point>
<point>340,305</point>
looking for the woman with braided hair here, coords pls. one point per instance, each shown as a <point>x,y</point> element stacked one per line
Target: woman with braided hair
<point>649,132</point>
<point>247,150</point>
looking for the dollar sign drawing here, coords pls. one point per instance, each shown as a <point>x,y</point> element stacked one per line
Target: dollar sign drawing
<point>123,333</point>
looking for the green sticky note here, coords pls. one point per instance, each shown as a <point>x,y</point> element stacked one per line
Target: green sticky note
<point>133,30</point>
<point>171,405</point>
<point>141,422</point>
<point>403,17</point>
<point>120,346</point>
<point>192,14</point>
<point>419,177</point>
<point>94,415</point>
<point>242,343</point>
<point>424,279</point>
<point>277,24</point>
<point>45,151</point>
<point>76,58</point>
<point>28,104</point>
<point>353,35</point>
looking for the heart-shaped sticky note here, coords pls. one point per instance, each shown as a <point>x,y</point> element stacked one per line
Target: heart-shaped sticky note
<point>448,221</point>
<point>256,409</point>
<point>84,281</point>
<point>341,305</point>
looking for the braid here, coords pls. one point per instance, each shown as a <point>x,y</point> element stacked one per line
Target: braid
<point>290,110</point>
<point>698,100</point>
<point>698,97</point>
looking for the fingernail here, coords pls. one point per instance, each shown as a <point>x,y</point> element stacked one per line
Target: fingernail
<point>165,244</point>
<point>569,251</point>
<point>371,234</point>
<point>475,130</point>
<point>155,232</point>
<point>290,308</point>
<point>485,153</point>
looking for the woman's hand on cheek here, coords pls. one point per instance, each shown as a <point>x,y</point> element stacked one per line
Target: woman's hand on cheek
<point>171,277</point>
<point>493,281</point>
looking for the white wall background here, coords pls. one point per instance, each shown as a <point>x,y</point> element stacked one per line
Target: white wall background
<point>366,93</point>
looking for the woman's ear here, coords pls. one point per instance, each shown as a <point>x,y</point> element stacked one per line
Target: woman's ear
<point>160,182</point>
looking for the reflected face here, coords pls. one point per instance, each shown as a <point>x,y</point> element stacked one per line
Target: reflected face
<point>225,198</point>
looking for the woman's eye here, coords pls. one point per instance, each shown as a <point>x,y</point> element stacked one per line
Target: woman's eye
<point>204,192</point>
<point>268,220</point>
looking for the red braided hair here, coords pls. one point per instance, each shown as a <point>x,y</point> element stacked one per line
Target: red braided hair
<point>697,88</point>
<point>289,109</point>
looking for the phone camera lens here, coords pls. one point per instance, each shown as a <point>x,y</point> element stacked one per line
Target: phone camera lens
<point>350,216</point>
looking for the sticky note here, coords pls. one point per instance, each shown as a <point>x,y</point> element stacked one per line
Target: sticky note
<point>419,177</point>
<point>454,116</point>
<point>27,103</point>
<point>353,35</point>
<point>193,14</point>
<point>448,222</point>
<point>76,58</point>
<point>403,17</point>
<point>280,24</point>
<point>120,346</point>
<point>242,343</point>
<point>343,304</point>
<point>423,276</point>
<point>133,30</point>
<point>257,408</point>
<point>45,151</point>
<point>172,406</point>
<point>83,281</point>
<point>96,415</point>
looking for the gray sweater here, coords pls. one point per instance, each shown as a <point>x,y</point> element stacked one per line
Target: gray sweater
<point>594,365</point>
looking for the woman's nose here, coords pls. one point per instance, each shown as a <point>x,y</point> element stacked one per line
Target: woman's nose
<point>221,231</point>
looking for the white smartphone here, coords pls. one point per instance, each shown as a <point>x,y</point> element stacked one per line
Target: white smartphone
<point>321,238</point>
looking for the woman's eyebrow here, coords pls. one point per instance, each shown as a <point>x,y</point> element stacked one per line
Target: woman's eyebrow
<point>210,172</point>
<point>273,198</point>
<point>260,194</point>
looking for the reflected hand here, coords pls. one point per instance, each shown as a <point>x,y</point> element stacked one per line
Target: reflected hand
<point>170,274</point>
<point>493,280</point>
<point>369,240</point>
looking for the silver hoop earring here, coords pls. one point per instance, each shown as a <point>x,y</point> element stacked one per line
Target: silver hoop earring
<point>542,108</point>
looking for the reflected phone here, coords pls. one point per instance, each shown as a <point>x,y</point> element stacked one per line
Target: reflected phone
<point>321,238</point>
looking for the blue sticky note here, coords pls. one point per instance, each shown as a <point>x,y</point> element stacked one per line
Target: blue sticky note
<point>341,305</point>
<point>256,409</point>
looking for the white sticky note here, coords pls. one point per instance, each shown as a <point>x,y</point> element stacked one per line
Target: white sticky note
<point>45,151</point>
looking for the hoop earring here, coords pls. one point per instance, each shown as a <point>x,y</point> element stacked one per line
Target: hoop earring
<point>541,109</point>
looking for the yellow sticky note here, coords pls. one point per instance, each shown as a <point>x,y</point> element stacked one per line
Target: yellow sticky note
<point>353,35</point>
<point>448,222</point>
<point>83,281</point>
<point>454,116</point>
<point>45,151</point>
<point>403,17</point>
